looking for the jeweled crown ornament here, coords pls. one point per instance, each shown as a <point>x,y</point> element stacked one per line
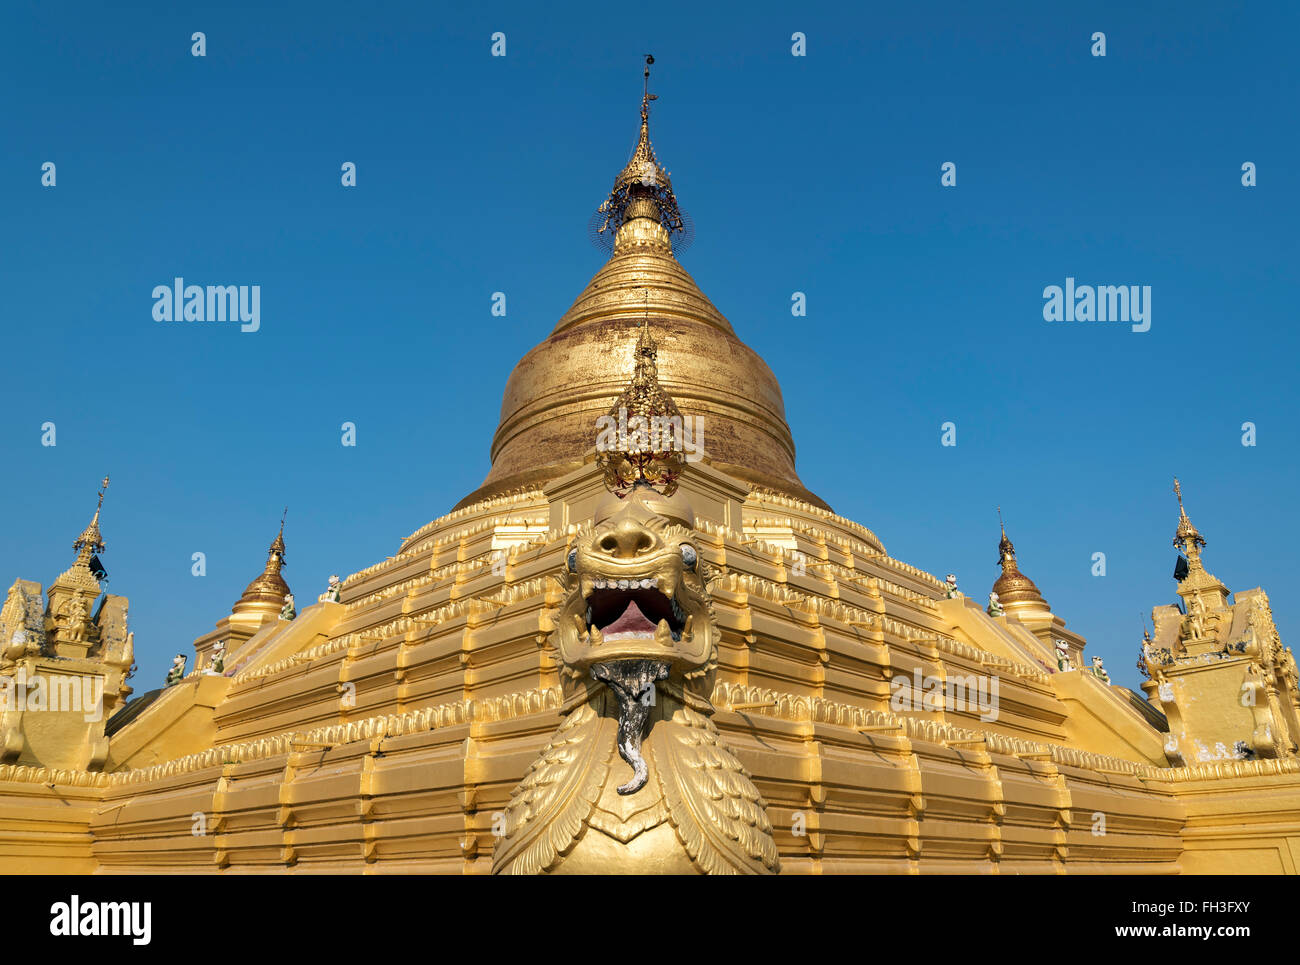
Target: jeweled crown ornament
<point>640,442</point>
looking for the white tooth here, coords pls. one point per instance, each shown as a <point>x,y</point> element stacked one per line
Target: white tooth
<point>622,584</point>
<point>654,582</point>
<point>647,584</point>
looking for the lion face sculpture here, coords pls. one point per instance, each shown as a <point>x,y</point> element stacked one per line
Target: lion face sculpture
<point>637,643</point>
<point>637,592</point>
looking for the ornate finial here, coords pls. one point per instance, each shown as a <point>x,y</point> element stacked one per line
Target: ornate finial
<point>90,542</point>
<point>277,547</point>
<point>1186,537</point>
<point>1013,587</point>
<point>269,587</point>
<point>645,181</point>
<point>641,440</point>
<point>1006,551</point>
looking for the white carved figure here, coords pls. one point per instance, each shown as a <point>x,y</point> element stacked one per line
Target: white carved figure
<point>1063,656</point>
<point>218,663</point>
<point>1099,671</point>
<point>333,591</point>
<point>995,608</point>
<point>950,581</point>
<point>177,670</point>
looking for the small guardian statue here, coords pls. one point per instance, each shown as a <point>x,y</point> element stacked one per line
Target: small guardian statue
<point>950,581</point>
<point>333,591</point>
<point>77,620</point>
<point>177,670</point>
<point>218,662</point>
<point>1099,671</point>
<point>288,611</point>
<point>995,608</point>
<point>1063,656</point>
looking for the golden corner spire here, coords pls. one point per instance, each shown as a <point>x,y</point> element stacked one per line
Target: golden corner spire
<point>640,442</point>
<point>1013,588</point>
<point>1186,537</point>
<point>643,189</point>
<point>277,546</point>
<point>90,542</point>
<point>269,589</point>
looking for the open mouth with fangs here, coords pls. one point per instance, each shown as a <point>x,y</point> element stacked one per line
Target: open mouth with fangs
<point>633,610</point>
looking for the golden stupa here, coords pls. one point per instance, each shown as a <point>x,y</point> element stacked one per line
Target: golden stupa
<point>558,389</point>
<point>623,655</point>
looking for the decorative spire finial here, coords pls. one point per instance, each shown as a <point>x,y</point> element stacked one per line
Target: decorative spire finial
<point>646,96</point>
<point>1006,551</point>
<point>640,442</point>
<point>277,547</point>
<point>1013,588</point>
<point>269,588</point>
<point>642,189</point>
<point>1186,537</point>
<point>89,542</point>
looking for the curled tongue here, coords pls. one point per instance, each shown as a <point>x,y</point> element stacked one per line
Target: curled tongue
<point>633,683</point>
<point>632,621</point>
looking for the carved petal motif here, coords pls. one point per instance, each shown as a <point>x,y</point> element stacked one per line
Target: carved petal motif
<point>550,806</point>
<point>713,804</point>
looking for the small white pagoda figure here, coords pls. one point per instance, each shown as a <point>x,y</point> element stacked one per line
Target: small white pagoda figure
<point>217,665</point>
<point>333,591</point>
<point>288,611</point>
<point>995,608</point>
<point>950,581</point>
<point>1099,671</point>
<point>1063,656</point>
<point>177,670</point>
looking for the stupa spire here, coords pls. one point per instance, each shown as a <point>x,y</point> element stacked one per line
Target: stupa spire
<point>90,542</point>
<point>1186,538</point>
<point>269,588</point>
<point>643,189</point>
<point>277,546</point>
<point>1013,587</point>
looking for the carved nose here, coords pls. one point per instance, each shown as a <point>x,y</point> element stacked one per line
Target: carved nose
<point>627,540</point>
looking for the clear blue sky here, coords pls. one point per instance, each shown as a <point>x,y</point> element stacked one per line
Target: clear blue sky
<point>817,174</point>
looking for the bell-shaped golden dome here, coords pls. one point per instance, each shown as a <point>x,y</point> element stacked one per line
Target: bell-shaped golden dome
<point>1015,590</point>
<point>560,389</point>
<point>267,591</point>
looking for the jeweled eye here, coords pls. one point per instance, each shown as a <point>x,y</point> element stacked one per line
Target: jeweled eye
<point>688,555</point>
<point>573,561</point>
